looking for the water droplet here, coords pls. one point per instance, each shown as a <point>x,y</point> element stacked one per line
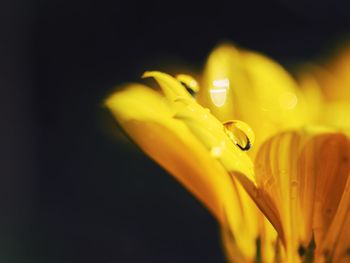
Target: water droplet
<point>189,83</point>
<point>240,134</point>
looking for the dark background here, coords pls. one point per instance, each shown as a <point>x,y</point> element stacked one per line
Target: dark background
<point>69,190</point>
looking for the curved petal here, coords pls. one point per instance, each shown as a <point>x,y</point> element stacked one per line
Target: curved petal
<point>147,118</point>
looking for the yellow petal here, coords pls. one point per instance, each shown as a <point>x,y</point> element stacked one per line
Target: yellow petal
<point>145,115</point>
<point>147,119</point>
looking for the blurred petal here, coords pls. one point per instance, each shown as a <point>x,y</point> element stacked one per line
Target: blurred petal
<point>312,93</point>
<point>331,87</point>
<point>324,110</point>
<point>336,114</point>
<point>276,100</point>
<point>224,79</point>
<point>339,69</point>
<point>259,92</point>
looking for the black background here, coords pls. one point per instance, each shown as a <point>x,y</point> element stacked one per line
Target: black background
<point>70,191</point>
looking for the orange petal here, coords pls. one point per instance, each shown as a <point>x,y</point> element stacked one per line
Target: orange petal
<point>304,174</point>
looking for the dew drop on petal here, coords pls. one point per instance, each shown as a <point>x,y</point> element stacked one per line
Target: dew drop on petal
<point>240,134</point>
<point>189,83</point>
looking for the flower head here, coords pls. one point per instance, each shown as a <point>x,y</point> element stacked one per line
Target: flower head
<point>248,147</point>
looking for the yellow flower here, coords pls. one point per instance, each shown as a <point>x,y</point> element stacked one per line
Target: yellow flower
<point>284,200</point>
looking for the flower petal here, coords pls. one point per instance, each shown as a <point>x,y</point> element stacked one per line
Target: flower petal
<point>147,119</point>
